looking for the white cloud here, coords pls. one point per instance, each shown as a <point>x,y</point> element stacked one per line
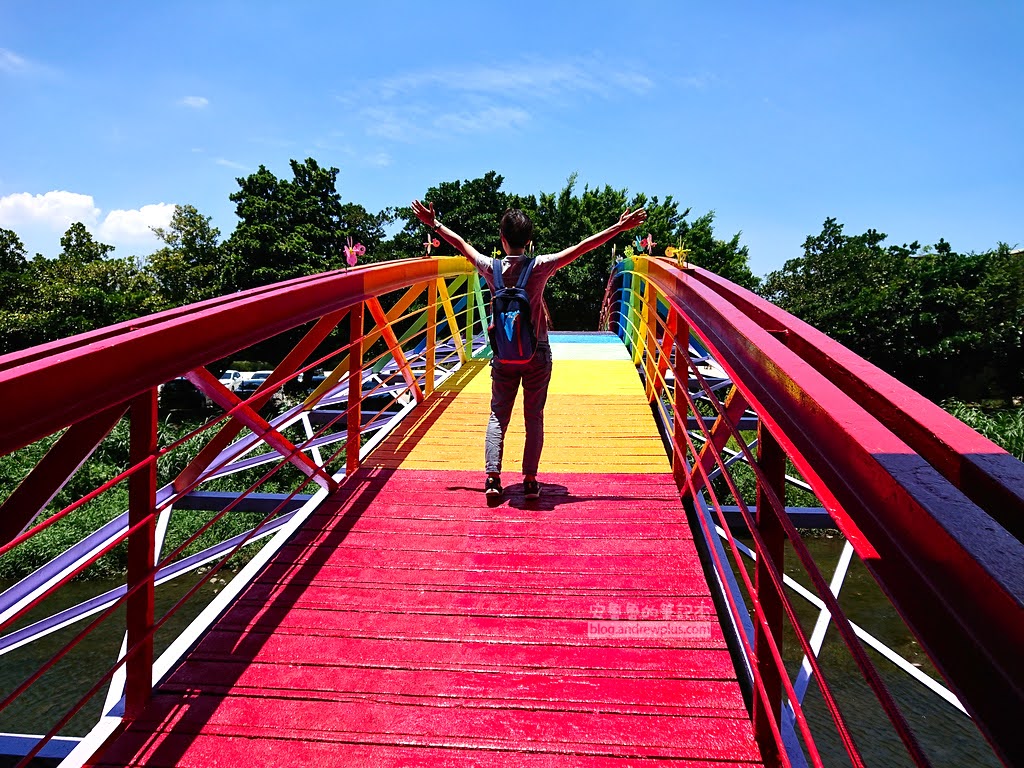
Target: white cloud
<point>388,123</point>
<point>437,103</point>
<point>633,82</point>
<point>11,62</point>
<point>411,123</point>
<point>489,119</point>
<point>536,78</point>
<point>41,220</point>
<point>195,102</point>
<point>698,82</point>
<point>135,226</point>
<point>231,164</point>
<point>378,159</point>
<point>56,210</point>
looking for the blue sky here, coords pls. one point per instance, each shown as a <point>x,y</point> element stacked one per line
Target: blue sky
<point>900,116</point>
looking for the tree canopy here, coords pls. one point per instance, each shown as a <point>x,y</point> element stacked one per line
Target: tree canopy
<point>287,229</point>
<point>187,269</point>
<point>83,288</point>
<point>945,323</point>
<point>474,208</point>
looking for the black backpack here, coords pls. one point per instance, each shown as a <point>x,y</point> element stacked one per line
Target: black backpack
<point>513,339</point>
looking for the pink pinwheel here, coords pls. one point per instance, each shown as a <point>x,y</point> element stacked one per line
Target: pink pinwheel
<point>431,243</point>
<point>353,252</point>
<point>649,244</point>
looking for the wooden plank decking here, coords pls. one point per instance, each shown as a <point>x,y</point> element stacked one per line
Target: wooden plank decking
<point>408,623</point>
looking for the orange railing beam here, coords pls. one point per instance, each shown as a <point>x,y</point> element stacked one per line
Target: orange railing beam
<point>394,347</point>
<point>341,369</point>
<point>355,391</point>
<point>431,348</point>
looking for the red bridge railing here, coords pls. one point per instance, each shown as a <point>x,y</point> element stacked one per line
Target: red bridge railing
<point>756,402</point>
<point>385,335</point>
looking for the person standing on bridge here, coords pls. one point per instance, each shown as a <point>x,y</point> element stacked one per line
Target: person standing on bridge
<point>516,235</point>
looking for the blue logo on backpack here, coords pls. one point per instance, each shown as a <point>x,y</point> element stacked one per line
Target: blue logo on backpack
<point>510,311</point>
<point>510,323</point>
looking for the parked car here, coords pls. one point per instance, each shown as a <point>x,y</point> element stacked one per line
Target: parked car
<point>231,379</point>
<point>180,394</point>
<point>248,386</point>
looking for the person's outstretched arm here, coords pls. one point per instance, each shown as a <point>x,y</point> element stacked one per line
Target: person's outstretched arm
<point>626,222</point>
<point>428,217</point>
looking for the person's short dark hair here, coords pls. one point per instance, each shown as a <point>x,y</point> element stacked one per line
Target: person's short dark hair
<point>516,228</point>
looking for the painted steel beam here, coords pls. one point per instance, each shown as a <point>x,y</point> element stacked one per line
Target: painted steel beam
<point>955,576</point>
<point>992,478</point>
<point>292,361</point>
<point>215,501</point>
<point>229,401</point>
<point>113,366</point>
<point>394,347</point>
<point>734,407</point>
<point>52,473</point>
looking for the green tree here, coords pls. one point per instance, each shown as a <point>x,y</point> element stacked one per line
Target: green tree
<point>13,267</point>
<point>852,288</point>
<point>474,207</point>
<point>79,247</point>
<point>292,228</point>
<point>947,324</point>
<point>574,293</point>
<point>15,288</point>
<point>187,269</point>
<point>78,291</point>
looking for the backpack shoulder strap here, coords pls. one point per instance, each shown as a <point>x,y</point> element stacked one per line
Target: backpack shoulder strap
<point>524,275</point>
<point>499,280</point>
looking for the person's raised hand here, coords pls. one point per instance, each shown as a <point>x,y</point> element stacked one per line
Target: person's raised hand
<point>630,219</point>
<point>425,214</point>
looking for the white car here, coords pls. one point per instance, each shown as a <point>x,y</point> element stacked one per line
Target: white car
<point>231,379</point>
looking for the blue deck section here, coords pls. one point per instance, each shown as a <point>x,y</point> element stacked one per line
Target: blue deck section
<point>583,337</point>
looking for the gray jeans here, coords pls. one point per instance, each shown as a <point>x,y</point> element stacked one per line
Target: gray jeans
<point>505,379</point>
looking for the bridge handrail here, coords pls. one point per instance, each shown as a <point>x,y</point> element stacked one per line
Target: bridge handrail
<point>65,381</point>
<point>76,390</point>
<point>950,569</point>
<point>986,473</point>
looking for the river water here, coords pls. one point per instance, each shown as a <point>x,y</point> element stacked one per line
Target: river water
<point>49,699</point>
<point>948,736</point>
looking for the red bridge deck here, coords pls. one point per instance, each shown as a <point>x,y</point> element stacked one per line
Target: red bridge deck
<point>410,624</point>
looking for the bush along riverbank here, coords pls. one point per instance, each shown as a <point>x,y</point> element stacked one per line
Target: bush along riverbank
<point>1003,426</point>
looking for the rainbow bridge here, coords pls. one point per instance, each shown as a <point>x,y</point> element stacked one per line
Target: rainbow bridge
<point>313,576</point>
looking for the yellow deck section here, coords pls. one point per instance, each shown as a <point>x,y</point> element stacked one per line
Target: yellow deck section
<point>597,420</point>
